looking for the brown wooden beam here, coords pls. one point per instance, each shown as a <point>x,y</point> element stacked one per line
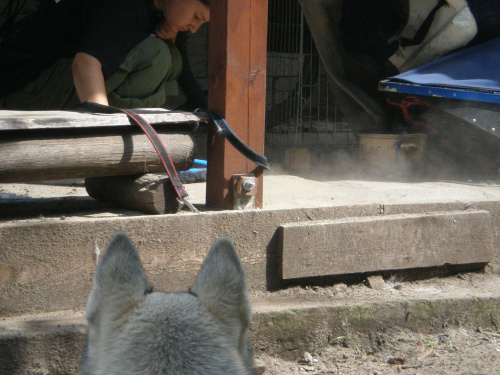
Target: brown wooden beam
<point>27,157</point>
<point>237,90</point>
<point>387,242</point>
<point>149,193</point>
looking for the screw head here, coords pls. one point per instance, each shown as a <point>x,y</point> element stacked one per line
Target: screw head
<point>248,184</point>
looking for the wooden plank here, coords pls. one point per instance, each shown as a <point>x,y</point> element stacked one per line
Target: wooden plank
<point>150,193</point>
<point>24,120</point>
<point>378,243</point>
<point>238,34</point>
<point>121,153</point>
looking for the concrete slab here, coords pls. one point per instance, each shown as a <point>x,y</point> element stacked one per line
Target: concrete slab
<point>282,192</point>
<point>285,192</point>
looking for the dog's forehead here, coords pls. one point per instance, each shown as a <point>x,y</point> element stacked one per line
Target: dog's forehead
<point>171,304</point>
<point>171,298</point>
<point>165,309</point>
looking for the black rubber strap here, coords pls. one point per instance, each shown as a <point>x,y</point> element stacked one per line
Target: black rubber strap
<point>153,137</point>
<point>226,131</point>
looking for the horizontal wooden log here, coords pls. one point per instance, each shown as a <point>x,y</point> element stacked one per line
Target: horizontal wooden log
<point>111,154</point>
<point>150,193</point>
<point>370,244</point>
<point>25,120</point>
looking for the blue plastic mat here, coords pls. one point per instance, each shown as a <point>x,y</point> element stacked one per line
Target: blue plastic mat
<point>470,74</point>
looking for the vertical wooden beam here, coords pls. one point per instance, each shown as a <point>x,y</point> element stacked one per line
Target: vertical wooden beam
<point>237,90</point>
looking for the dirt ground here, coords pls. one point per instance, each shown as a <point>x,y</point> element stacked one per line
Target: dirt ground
<point>451,349</point>
<point>452,352</point>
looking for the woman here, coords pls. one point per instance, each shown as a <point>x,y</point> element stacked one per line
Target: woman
<point>116,52</point>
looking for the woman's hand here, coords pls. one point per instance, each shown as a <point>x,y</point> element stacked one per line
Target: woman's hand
<point>88,79</point>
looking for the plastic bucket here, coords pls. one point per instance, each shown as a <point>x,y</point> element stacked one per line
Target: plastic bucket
<point>392,154</point>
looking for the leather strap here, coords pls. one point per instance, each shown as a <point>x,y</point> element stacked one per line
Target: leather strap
<point>226,131</point>
<point>156,142</point>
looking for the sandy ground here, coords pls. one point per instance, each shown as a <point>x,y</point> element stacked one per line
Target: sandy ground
<point>452,352</point>
<point>284,191</point>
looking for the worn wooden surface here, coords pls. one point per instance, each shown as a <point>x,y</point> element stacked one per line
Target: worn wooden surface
<point>104,154</point>
<point>379,243</point>
<point>150,193</point>
<point>237,90</point>
<point>19,120</point>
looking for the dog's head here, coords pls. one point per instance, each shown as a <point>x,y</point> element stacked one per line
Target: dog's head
<point>132,330</point>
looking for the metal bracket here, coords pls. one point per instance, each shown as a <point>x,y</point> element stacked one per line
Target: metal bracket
<point>244,191</point>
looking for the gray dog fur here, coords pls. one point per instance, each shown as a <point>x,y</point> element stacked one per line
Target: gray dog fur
<point>133,331</point>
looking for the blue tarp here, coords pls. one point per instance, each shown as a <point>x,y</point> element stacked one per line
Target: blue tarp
<point>473,68</point>
<point>471,74</point>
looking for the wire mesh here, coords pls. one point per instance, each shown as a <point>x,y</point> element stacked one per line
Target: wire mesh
<point>300,109</point>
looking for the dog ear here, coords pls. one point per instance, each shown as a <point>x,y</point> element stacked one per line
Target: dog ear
<point>221,288</point>
<point>119,280</point>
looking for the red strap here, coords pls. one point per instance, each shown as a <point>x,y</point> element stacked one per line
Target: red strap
<point>160,150</point>
<point>408,102</point>
<point>157,144</point>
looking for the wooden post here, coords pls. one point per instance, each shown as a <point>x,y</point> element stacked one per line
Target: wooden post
<point>237,90</point>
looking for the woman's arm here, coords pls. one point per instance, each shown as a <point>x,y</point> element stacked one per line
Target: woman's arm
<point>88,79</point>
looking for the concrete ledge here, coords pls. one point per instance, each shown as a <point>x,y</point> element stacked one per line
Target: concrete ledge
<point>49,265</point>
<point>53,343</point>
<point>309,329</point>
<point>43,344</point>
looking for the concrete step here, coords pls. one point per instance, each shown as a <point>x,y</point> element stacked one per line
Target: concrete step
<point>48,265</point>
<point>288,321</point>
